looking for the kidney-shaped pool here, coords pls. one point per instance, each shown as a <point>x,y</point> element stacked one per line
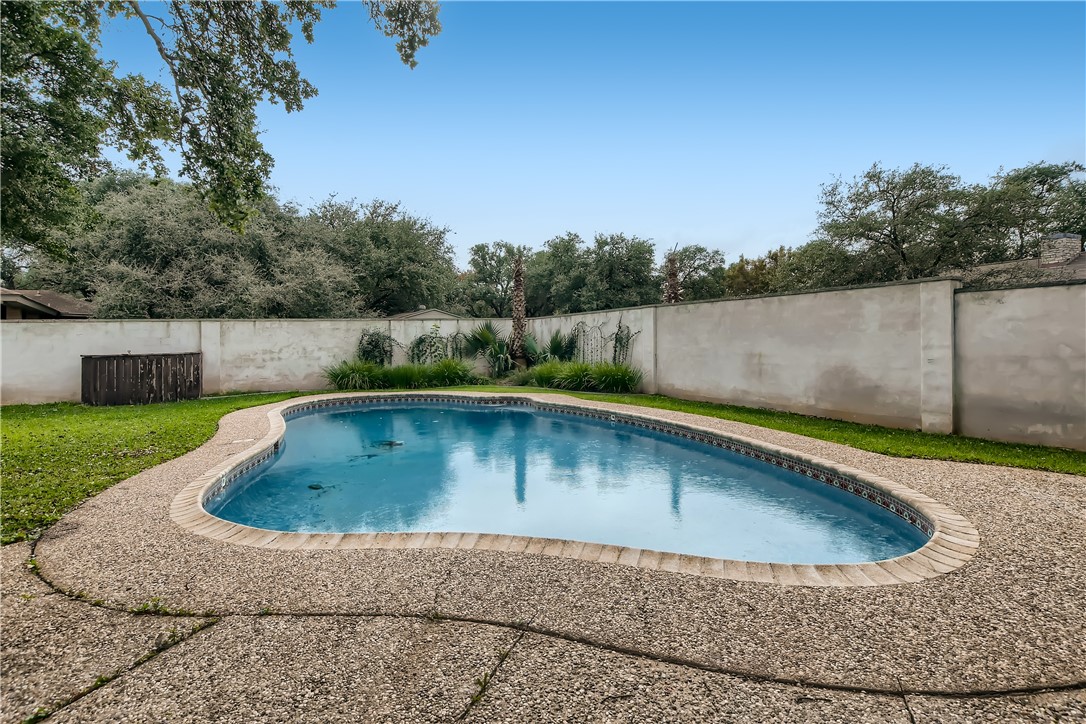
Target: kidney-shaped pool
<point>514,469</point>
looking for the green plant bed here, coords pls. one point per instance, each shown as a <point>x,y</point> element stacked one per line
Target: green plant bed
<point>358,374</point>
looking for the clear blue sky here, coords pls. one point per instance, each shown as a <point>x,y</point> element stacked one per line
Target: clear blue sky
<point>709,123</point>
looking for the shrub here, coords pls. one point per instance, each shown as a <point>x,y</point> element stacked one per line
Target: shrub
<point>375,346</point>
<point>546,374</point>
<point>449,373</point>
<point>576,376</point>
<point>584,377</point>
<point>357,374</point>
<point>610,377</point>
<point>408,377</point>
<point>487,342</point>
<point>520,378</point>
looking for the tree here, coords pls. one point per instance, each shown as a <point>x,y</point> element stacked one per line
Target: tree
<point>747,277</point>
<point>555,274</point>
<point>620,273</point>
<point>1027,203</point>
<point>152,249</point>
<point>520,323</point>
<point>820,264</point>
<point>60,102</point>
<point>911,219</point>
<point>399,261</point>
<point>673,293</point>
<point>700,272</point>
<point>63,102</point>
<point>490,280</point>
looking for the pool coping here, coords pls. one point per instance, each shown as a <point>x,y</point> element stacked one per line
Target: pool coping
<point>953,542</point>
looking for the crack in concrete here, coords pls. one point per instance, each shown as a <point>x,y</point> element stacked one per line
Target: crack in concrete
<point>905,701</point>
<point>908,709</point>
<point>440,586</point>
<point>166,644</point>
<point>488,678</point>
<point>530,627</point>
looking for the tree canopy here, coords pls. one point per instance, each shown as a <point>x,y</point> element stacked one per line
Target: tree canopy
<point>152,249</point>
<point>62,102</point>
<point>147,248</point>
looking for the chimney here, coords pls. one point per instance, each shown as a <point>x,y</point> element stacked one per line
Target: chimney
<point>1057,249</point>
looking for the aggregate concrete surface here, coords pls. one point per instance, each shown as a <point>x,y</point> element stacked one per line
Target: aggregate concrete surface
<point>53,647</point>
<point>441,635</point>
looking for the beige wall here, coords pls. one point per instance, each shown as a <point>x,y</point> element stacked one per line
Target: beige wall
<point>1021,365</point>
<point>879,355</point>
<point>1008,365</point>
<point>39,360</point>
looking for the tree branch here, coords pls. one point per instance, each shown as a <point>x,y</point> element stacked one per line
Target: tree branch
<point>168,57</point>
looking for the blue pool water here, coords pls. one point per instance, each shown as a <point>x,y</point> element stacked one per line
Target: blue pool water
<point>520,471</point>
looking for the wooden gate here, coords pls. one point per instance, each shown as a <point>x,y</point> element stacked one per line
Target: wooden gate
<point>137,379</point>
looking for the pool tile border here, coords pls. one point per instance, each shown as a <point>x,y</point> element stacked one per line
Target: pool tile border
<point>952,539</point>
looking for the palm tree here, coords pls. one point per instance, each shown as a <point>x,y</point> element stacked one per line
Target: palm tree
<point>672,289</point>
<point>520,323</point>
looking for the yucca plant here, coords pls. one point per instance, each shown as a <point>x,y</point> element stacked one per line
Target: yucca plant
<point>610,377</point>
<point>533,352</point>
<point>357,374</point>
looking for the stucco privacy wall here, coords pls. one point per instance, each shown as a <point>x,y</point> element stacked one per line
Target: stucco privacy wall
<point>1021,365</point>
<point>1008,365</point>
<point>880,355</point>
<point>40,360</point>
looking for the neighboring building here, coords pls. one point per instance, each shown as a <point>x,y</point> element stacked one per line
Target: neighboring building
<point>1062,260</point>
<point>426,314</point>
<point>42,304</point>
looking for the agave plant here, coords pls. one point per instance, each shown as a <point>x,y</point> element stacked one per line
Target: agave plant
<point>487,342</point>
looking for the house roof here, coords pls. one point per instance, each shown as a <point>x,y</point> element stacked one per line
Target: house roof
<point>426,314</point>
<point>47,301</point>
<point>1022,271</point>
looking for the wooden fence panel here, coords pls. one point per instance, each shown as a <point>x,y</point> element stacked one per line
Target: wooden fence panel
<point>127,379</point>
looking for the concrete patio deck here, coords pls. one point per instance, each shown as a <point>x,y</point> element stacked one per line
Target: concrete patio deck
<point>231,632</point>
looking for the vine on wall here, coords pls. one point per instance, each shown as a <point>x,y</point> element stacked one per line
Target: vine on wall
<point>433,346</point>
<point>376,346</point>
<point>621,341</point>
<point>593,344</point>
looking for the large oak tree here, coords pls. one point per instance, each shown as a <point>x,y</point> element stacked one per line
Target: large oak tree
<point>62,102</point>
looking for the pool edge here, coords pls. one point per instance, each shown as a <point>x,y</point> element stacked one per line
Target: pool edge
<point>953,542</point>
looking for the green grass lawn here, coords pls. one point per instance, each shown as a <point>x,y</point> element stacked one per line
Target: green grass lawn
<point>56,455</point>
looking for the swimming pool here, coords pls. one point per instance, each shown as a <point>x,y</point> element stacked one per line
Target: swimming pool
<point>517,469</point>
